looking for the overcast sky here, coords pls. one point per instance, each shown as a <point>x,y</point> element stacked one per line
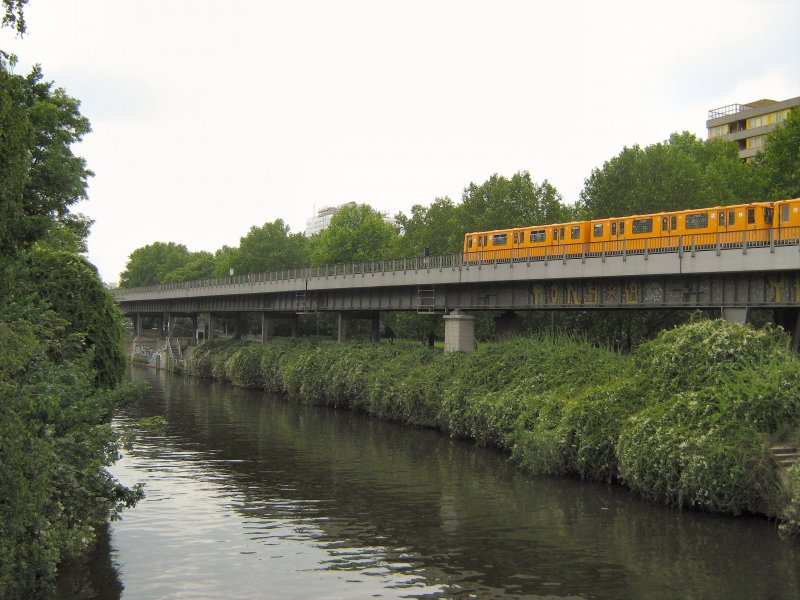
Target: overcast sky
<point>211,117</point>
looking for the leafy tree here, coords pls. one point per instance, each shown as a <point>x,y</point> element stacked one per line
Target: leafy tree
<point>199,266</point>
<point>270,247</point>
<point>152,264</point>
<point>500,203</point>
<point>60,344</point>
<point>779,162</point>
<point>436,227</point>
<point>356,232</point>
<point>683,172</point>
<point>224,260</point>
<point>41,176</point>
<point>13,16</point>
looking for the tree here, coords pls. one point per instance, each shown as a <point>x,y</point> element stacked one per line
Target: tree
<point>200,265</point>
<point>779,162</point>
<point>436,227</point>
<point>270,247</point>
<point>41,176</point>
<point>683,172</point>
<point>356,233</point>
<point>501,203</point>
<point>152,264</point>
<point>13,16</point>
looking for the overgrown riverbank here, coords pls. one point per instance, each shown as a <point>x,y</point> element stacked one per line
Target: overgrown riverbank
<point>686,420</point>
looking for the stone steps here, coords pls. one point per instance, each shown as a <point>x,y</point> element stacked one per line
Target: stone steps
<point>785,456</point>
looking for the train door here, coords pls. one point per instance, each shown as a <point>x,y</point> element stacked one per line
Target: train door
<point>726,224</point>
<point>617,235</point>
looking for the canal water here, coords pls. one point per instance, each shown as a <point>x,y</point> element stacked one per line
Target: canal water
<point>250,496</point>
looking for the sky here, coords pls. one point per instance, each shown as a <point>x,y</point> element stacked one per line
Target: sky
<point>209,118</point>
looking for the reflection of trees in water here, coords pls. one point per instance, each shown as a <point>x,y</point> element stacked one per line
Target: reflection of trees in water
<point>443,511</point>
<point>94,577</point>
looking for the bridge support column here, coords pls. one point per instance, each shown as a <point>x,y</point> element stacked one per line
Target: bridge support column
<point>376,327</point>
<point>735,315</point>
<point>237,326</point>
<point>459,332</point>
<point>266,324</point>
<point>138,324</point>
<point>341,319</point>
<point>295,326</point>
<point>166,325</point>
<point>210,335</point>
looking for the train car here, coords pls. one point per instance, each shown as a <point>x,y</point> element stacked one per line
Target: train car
<point>787,213</point>
<point>704,228</point>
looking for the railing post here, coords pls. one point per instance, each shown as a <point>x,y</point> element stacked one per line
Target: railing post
<point>744,242</point>
<point>680,246</point>
<point>771,241</point>
<point>694,243</point>
<point>719,244</point>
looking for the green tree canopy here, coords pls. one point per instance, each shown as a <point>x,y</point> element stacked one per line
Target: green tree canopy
<point>500,203</point>
<point>200,265</point>
<point>152,264</point>
<point>270,247</point>
<point>683,172</point>
<point>356,232</point>
<point>436,227</point>
<point>13,15</point>
<point>779,162</point>
<point>40,177</point>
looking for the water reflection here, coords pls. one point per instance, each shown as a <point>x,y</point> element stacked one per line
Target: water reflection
<point>251,497</point>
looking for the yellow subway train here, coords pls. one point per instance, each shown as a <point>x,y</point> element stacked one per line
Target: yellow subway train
<point>757,223</point>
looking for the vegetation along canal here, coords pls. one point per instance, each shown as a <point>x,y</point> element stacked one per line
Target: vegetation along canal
<point>250,496</point>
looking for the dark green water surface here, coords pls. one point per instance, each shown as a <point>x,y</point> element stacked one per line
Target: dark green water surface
<point>249,496</point>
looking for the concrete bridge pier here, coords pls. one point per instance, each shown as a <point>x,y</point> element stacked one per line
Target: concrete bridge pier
<point>459,332</point>
<point>295,326</point>
<point>376,327</point>
<point>341,321</point>
<point>736,314</point>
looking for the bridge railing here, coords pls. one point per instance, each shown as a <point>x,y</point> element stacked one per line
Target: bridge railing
<point>718,242</point>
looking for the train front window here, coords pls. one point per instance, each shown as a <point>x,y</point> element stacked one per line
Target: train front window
<point>784,213</point>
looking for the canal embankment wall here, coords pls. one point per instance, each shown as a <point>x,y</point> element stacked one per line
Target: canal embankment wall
<point>687,420</point>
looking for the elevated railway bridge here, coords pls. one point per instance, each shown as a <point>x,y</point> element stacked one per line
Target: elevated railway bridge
<point>689,272</point>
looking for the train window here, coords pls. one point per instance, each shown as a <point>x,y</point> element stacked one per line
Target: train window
<point>673,225</point>
<point>731,217</point>
<point>575,231</point>
<point>516,238</point>
<point>785,213</point>
<point>469,242</point>
<point>563,236</point>
<point>642,226</point>
<point>768,212</point>
<point>622,227</point>
<point>598,230</point>
<point>751,216</point>
<point>722,218</point>
<point>499,239</point>
<point>480,241</point>
<point>486,240</point>
<point>555,234</point>
<point>664,226</point>
<point>697,221</point>
<point>538,235</point>
<point>613,229</point>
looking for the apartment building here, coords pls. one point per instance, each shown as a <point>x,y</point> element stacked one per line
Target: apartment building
<point>748,124</point>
